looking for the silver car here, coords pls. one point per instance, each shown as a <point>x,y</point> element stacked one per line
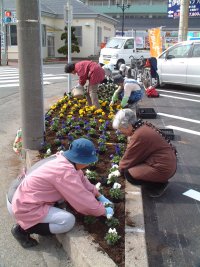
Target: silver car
<point>180,64</point>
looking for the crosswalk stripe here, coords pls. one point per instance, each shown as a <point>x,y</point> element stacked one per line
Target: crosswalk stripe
<point>17,84</point>
<point>17,80</point>
<point>9,77</point>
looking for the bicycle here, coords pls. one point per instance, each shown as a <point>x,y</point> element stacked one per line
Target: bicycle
<point>137,65</point>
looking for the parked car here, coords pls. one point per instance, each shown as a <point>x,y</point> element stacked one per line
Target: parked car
<point>180,64</point>
<point>118,51</point>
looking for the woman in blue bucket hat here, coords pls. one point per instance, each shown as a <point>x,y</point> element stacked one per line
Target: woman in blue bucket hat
<point>51,180</point>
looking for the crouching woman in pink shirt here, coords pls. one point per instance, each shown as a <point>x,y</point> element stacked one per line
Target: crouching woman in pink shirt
<point>59,177</point>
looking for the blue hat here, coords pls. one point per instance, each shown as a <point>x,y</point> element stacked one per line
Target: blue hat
<point>81,151</point>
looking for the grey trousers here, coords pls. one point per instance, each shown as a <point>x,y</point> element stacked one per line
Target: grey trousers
<point>92,96</point>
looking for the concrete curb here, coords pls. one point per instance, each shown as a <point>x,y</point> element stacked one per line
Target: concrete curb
<point>80,247</point>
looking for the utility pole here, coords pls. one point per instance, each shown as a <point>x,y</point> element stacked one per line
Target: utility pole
<point>68,17</point>
<point>183,20</point>
<point>30,73</point>
<point>123,8</point>
<point>4,58</point>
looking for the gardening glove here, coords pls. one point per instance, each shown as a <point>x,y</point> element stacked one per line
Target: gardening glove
<point>104,200</point>
<point>109,213</point>
<point>124,101</point>
<point>114,99</point>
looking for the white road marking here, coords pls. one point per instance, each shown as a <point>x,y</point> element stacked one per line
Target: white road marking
<point>193,194</point>
<point>181,98</point>
<point>183,130</point>
<point>178,93</point>
<point>48,78</point>
<point>177,117</point>
<point>134,230</point>
<point>17,84</point>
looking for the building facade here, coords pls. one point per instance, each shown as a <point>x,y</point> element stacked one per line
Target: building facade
<point>91,28</point>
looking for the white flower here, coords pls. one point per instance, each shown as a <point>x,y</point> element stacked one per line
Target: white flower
<point>112,231</point>
<point>87,171</point>
<point>48,152</point>
<point>115,174</point>
<point>115,166</point>
<point>109,216</point>
<point>116,185</point>
<point>98,186</point>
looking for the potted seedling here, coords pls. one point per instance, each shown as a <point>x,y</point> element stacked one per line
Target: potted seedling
<point>112,222</point>
<point>116,193</point>
<point>112,177</point>
<point>92,176</point>
<point>112,237</point>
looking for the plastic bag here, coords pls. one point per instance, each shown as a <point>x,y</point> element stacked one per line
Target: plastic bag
<point>17,145</point>
<point>151,92</point>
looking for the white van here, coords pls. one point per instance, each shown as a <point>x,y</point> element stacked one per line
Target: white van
<point>118,51</point>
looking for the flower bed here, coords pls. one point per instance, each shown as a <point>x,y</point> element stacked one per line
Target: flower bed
<point>71,118</point>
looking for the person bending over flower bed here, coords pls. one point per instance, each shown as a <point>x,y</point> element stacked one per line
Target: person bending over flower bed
<point>149,158</point>
<point>56,178</point>
<point>128,91</point>
<point>88,70</point>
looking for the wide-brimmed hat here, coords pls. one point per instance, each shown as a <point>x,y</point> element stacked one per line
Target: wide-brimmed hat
<point>81,151</point>
<point>118,79</point>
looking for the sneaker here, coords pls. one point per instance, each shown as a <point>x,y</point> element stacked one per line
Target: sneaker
<point>23,237</point>
<point>157,189</point>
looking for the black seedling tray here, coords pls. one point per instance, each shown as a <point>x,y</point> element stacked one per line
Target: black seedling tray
<point>146,113</point>
<point>168,133</point>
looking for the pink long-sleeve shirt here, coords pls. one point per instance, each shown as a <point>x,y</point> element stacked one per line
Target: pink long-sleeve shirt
<point>54,180</point>
<point>89,70</point>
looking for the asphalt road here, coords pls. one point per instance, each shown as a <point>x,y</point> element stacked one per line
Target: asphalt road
<point>172,221</point>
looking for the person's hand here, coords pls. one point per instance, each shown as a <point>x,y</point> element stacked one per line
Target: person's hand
<point>109,213</point>
<point>104,200</point>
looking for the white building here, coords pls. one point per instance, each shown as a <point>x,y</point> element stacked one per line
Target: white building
<point>91,27</point>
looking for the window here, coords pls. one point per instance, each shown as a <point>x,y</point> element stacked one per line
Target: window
<point>180,51</point>
<point>78,34</point>
<point>44,35</point>
<point>99,36</point>
<point>13,35</point>
<point>129,44</point>
<point>196,50</point>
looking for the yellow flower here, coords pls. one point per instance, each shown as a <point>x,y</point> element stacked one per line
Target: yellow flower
<point>103,113</point>
<point>101,120</point>
<point>119,107</point>
<point>69,116</point>
<point>61,115</point>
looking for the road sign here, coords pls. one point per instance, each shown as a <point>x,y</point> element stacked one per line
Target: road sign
<point>174,8</point>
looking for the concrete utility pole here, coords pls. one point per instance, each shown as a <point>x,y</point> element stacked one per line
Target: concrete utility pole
<point>30,73</point>
<point>4,58</point>
<point>183,20</point>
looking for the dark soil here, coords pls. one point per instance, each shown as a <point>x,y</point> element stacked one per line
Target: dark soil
<point>98,229</point>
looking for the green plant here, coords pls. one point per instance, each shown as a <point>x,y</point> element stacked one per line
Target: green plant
<point>112,222</point>
<point>116,193</point>
<point>116,159</point>
<point>113,176</point>
<point>121,138</point>
<point>112,237</point>
<point>89,219</point>
<point>91,175</point>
